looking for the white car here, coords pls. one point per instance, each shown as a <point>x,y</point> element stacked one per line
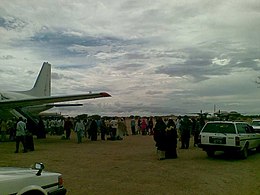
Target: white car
<point>256,125</point>
<point>228,136</point>
<point>30,181</point>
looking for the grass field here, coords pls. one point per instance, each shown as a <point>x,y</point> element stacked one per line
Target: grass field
<point>130,166</point>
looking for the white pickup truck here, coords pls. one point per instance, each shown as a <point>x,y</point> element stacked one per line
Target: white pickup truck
<point>30,181</point>
<point>228,136</point>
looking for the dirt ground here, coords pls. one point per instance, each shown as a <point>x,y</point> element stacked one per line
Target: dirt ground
<point>130,166</point>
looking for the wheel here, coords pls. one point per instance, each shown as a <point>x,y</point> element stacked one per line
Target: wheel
<point>258,149</point>
<point>244,152</point>
<point>210,153</point>
<point>33,193</point>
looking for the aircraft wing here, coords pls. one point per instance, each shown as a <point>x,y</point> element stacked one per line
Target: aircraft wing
<point>11,104</point>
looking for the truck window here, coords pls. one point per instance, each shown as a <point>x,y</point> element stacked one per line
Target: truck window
<point>219,128</point>
<point>242,128</point>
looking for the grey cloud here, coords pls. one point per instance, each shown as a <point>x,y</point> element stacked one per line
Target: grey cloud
<point>74,66</point>
<point>128,66</point>
<point>136,56</point>
<point>168,54</point>
<point>248,63</point>
<point>198,69</point>
<point>154,92</point>
<point>7,57</point>
<point>198,64</point>
<point>12,23</point>
<point>148,109</point>
<point>57,76</point>
<point>60,43</point>
<point>30,72</point>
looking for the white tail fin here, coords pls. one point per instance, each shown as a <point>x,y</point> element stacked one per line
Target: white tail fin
<point>42,86</point>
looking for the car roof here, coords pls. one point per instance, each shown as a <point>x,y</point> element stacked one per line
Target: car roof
<point>233,122</point>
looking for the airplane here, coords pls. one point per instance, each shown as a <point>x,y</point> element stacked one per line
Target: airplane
<point>201,114</point>
<point>38,98</point>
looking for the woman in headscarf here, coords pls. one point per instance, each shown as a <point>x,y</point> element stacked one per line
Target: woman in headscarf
<point>171,140</point>
<point>160,138</point>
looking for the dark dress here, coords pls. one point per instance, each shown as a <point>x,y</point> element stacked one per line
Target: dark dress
<point>171,142</point>
<point>185,132</point>
<point>159,135</point>
<point>41,130</point>
<point>68,126</point>
<point>29,143</point>
<point>93,130</point>
<point>103,130</point>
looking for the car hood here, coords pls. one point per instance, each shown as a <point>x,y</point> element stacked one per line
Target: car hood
<point>7,173</point>
<point>14,172</point>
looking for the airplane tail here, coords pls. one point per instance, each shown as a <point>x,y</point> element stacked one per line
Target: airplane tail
<point>42,86</point>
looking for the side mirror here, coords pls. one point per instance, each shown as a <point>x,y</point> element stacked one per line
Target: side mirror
<point>39,167</point>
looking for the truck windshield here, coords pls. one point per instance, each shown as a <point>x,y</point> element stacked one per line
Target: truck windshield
<point>256,123</point>
<point>219,128</point>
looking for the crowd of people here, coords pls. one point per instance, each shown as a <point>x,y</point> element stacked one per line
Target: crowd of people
<point>18,130</point>
<point>166,132</point>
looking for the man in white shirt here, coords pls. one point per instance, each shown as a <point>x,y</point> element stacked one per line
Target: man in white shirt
<point>20,134</point>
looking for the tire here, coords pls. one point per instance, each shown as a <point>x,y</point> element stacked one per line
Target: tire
<point>244,152</point>
<point>210,153</point>
<point>258,149</point>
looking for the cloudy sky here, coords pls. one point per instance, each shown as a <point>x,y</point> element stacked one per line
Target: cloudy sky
<point>153,57</point>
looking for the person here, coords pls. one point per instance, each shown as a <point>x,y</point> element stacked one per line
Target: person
<point>20,134</point>
<point>93,130</point>
<point>150,126</point>
<point>133,125</point>
<point>178,124</point>
<point>103,129</point>
<point>30,127</point>
<point>67,127</point>
<point>139,125</point>
<point>121,131</point>
<point>114,127</point>
<point>201,123</point>
<point>195,131</point>
<point>185,132</point>
<point>88,129</point>
<point>171,140</point>
<point>160,138</point>
<point>98,121</point>
<point>41,130</point>
<point>143,126</point>
<point>3,130</point>
<point>11,126</point>
<point>85,122</point>
<point>79,129</point>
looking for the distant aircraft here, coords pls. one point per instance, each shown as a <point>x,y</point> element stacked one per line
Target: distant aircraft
<point>201,114</point>
<point>21,103</point>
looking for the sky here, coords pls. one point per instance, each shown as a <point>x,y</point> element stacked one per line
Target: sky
<point>154,57</point>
